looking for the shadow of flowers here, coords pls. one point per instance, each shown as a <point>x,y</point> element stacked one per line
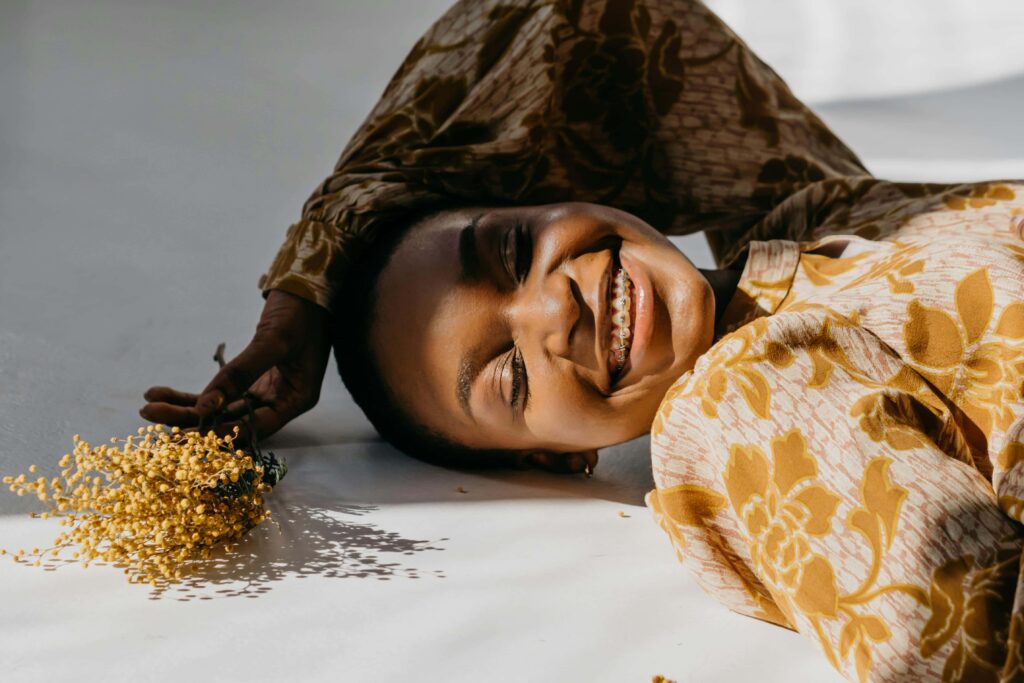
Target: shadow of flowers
<point>301,541</point>
<point>298,541</point>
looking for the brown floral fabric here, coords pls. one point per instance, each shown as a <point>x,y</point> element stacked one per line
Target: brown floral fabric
<point>847,459</point>
<point>652,106</point>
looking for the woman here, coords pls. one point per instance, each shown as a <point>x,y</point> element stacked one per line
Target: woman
<point>837,413</point>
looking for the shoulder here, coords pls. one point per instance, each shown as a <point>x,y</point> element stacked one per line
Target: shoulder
<point>776,344</point>
<point>765,376</point>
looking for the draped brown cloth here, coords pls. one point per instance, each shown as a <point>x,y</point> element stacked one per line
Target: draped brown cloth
<point>652,106</point>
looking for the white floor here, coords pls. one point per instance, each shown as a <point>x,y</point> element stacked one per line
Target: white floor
<point>151,156</point>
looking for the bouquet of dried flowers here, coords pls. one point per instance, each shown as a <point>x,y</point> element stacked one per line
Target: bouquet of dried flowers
<point>157,502</point>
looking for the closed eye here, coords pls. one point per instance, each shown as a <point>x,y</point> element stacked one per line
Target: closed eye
<point>517,255</point>
<point>517,252</point>
<point>518,382</point>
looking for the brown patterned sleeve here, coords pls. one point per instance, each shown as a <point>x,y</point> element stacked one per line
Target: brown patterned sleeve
<point>652,106</point>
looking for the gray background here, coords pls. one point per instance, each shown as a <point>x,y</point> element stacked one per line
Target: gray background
<point>152,155</point>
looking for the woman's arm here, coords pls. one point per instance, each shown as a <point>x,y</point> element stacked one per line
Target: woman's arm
<point>807,480</point>
<point>879,209</point>
<point>282,368</point>
<point>655,107</point>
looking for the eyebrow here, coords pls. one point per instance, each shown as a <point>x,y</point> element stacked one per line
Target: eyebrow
<point>469,262</point>
<point>469,368</point>
<point>472,362</point>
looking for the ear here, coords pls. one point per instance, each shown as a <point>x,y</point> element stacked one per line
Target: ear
<point>574,462</point>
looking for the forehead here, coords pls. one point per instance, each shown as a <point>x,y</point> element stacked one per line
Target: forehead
<point>424,320</point>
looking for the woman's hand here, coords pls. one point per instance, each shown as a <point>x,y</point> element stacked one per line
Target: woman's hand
<point>282,368</point>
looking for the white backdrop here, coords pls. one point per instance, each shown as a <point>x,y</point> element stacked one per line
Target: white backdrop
<point>830,50</point>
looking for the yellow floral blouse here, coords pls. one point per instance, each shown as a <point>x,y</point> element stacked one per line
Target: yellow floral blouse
<point>847,459</point>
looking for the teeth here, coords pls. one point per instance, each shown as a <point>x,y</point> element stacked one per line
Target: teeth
<point>622,296</point>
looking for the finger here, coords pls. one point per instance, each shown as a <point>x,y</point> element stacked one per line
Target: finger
<point>589,461</point>
<point>236,409</point>
<point>168,414</point>
<point>169,395</point>
<point>238,375</point>
<point>580,461</point>
<point>267,421</point>
<point>186,416</point>
<point>574,462</point>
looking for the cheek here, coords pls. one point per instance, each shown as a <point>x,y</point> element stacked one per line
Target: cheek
<point>575,420</point>
<point>570,418</point>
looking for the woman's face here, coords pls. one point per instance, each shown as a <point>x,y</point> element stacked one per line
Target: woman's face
<point>494,327</point>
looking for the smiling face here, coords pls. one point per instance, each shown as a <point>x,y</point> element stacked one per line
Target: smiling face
<point>500,328</point>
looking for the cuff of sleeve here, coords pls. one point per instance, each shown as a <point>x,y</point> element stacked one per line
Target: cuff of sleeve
<point>304,262</point>
<point>298,286</point>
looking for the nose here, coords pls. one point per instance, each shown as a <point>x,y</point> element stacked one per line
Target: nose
<point>546,311</point>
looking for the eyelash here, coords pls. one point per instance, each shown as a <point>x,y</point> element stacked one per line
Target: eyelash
<point>517,252</point>
<point>516,239</point>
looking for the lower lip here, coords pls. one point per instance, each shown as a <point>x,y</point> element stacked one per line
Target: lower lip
<point>642,327</point>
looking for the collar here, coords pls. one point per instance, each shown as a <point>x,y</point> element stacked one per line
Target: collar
<point>765,281</point>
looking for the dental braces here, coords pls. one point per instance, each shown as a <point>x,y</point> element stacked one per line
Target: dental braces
<point>622,320</point>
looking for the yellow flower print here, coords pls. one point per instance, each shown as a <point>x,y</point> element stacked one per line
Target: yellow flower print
<point>690,505</point>
<point>822,270</point>
<point>687,504</point>
<point>981,195</point>
<point>897,269</point>
<point>855,637</point>
<point>965,602</point>
<point>910,417</point>
<point>978,376</point>
<point>1011,455</point>
<point>1018,252</point>
<point>665,408</point>
<point>782,507</point>
<point>732,362</point>
<point>893,417</point>
<point>824,351</point>
<point>1013,668</point>
<point>1011,321</point>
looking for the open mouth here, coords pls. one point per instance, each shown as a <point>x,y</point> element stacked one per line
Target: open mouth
<point>622,314</point>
